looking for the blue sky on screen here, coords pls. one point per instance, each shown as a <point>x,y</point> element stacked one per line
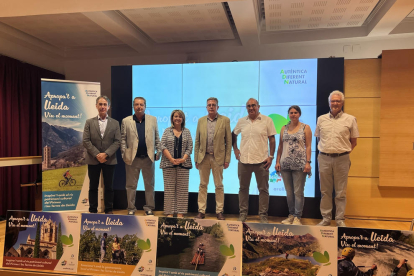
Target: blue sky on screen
<point>233,83</point>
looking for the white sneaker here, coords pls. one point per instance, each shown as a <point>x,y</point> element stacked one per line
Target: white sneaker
<point>324,222</point>
<point>289,220</point>
<point>340,223</point>
<point>296,221</point>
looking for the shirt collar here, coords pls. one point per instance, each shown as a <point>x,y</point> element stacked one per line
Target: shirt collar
<point>99,118</point>
<point>215,118</point>
<point>136,119</point>
<point>337,115</point>
<point>259,117</point>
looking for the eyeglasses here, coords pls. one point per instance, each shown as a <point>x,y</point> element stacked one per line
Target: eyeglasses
<point>211,105</point>
<point>251,105</point>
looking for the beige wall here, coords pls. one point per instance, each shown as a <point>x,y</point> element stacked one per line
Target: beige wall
<point>363,100</point>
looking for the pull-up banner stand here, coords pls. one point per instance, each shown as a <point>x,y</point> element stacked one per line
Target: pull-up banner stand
<point>66,105</point>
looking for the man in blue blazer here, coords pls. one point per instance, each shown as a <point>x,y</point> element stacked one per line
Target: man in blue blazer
<point>101,139</point>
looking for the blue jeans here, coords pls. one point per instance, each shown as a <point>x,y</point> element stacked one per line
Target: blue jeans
<point>294,185</point>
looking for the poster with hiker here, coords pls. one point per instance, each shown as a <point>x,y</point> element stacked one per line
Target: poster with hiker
<point>118,245</point>
<point>278,249</point>
<point>198,247</point>
<point>42,241</point>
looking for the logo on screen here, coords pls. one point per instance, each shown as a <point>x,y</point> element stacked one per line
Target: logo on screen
<point>294,76</point>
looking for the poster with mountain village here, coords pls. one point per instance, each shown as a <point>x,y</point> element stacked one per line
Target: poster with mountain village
<point>42,241</point>
<point>66,106</point>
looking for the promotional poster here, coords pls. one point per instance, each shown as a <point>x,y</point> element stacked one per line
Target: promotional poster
<point>278,249</point>
<point>118,245</point>
<point>391,251</point>
<point>66,105</point>
<point>42,240</point>
<point>203,247</point>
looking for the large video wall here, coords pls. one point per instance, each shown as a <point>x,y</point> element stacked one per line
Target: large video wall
<point>277,84</point>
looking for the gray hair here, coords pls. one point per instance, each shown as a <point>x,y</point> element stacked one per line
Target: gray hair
<point>336,92</point>
<point>257,102</point>
<point>105,98</point>
<point>212,99</point>
<point>139,98</point>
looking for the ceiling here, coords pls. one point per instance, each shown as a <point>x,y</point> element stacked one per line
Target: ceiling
<point>93,28</point>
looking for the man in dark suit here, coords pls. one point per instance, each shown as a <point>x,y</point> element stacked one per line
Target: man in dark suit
<point>101,138</point>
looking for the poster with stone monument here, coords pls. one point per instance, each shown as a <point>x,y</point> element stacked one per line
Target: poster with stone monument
<point>42,241</point>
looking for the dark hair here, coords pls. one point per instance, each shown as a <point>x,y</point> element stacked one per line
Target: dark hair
<point>105,98</point>
<point>297,108</point>
<point>105,235</point>
<point>182,116</point>
<point>116,239</point>
<point>139,98</point>
<point>212,99</point>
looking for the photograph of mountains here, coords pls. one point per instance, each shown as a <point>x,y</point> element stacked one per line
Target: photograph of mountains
<point>277,250</point>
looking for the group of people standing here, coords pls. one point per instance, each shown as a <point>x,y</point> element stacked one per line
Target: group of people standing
<point>141,146</point>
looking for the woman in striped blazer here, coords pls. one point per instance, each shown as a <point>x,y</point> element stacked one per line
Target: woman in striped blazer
<point>176,146</point>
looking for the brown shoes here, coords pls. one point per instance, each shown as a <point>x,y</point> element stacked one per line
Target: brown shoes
<point>200,216</point>
<point>220,216</point>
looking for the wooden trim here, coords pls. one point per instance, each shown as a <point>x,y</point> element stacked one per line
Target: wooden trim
<point>20,161</point>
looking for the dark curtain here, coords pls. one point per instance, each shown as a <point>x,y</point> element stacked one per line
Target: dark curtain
<point>21,129</point>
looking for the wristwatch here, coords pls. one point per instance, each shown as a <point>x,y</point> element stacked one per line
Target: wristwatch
<point>271,156</point>
<point>309,161</point>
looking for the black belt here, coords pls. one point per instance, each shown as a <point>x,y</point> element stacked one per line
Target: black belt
<point>334,154</point>
<point>142,156</point>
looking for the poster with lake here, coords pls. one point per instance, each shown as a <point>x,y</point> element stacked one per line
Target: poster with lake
<point>288,250</point>
<point>392,251</point>
<point>202,247</point>
<point>118,245</point>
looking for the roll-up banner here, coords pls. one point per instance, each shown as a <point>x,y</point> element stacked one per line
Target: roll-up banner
<point>66,105</point>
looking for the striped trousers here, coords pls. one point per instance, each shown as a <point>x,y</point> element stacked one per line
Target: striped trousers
<point>175,190</point>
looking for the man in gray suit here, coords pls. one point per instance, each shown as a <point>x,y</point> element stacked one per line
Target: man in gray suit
<point>212,153</point>
<point>101,138</point>
<point>140,148</point>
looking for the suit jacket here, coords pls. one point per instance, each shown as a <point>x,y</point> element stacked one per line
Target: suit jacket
<point>221,140</point>
<point>129,138</point>
<point>95,144</point>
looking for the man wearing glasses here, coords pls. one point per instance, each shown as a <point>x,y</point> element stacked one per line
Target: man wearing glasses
<point>258,135</point>
<point>337,134</point>
<point>212,153</point>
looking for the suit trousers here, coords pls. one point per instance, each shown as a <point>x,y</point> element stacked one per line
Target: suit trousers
<point>132,175</point>
<point>333,173</point>
<point>205,167</point>
<point>94,173</point>
<point>262,178</point>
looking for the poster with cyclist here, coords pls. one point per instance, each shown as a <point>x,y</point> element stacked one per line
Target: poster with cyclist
<point>66,105</point>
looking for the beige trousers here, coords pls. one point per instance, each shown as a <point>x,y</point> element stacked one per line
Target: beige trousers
<point>208,165</point>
